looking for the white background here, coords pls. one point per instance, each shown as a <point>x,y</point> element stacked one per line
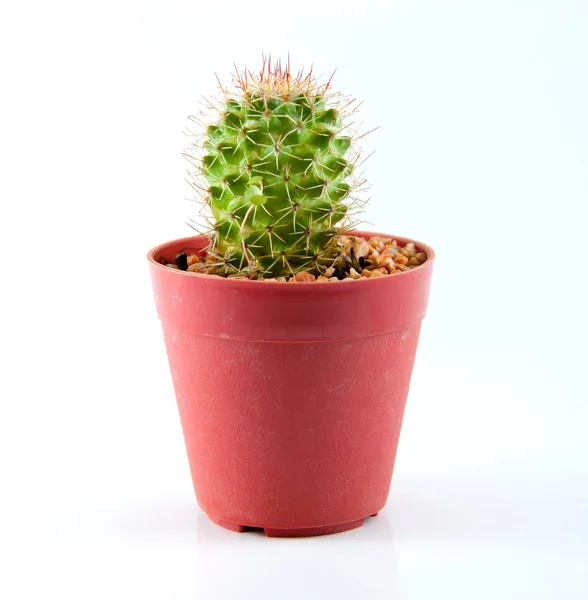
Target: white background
<point>482,152</point>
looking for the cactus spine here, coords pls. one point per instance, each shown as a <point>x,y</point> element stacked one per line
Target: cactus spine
<point>277,172</point>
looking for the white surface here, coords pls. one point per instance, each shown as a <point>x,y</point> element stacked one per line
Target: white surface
<point>483,153</point>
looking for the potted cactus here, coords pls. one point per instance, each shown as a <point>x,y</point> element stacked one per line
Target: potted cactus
<point>291,336</point>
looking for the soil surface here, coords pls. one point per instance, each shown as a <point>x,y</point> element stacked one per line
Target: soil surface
<point>359,259</point>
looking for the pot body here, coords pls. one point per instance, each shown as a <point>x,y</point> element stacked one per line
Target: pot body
<point>291,396</point>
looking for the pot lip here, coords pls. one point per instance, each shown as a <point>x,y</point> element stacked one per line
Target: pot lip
<point>361,233</point>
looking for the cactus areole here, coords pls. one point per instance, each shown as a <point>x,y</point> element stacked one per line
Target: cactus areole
<point>276,165</point>
<point>291,391</point>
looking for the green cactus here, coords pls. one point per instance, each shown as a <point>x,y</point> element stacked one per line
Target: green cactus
<point>279,167</point>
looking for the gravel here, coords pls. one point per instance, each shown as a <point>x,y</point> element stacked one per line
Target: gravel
<point>358,259</point>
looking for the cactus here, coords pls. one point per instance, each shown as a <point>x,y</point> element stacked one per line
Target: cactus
<point>277,172</point>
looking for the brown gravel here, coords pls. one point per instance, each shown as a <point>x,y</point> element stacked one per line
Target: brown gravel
<point>302,277</point>
<point>359,259</point>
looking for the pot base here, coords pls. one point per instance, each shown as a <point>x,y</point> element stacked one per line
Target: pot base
<point>291,533</point>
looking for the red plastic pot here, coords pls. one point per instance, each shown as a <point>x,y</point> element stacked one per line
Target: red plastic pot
<point>291,396</point>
